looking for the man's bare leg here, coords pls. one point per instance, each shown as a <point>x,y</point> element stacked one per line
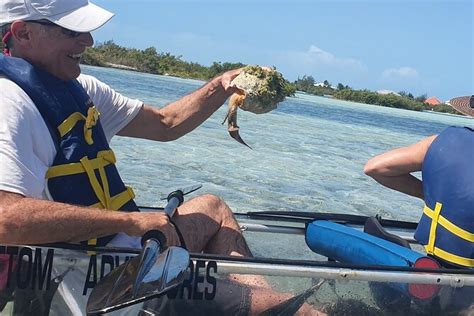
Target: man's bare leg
<point>208,225</point>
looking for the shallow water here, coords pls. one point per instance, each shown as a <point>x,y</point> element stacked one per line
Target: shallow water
<point>308,155</point>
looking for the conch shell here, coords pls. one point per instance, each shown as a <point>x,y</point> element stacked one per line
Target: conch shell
<point>259,91</point>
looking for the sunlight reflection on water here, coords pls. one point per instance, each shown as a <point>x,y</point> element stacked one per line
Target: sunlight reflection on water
<point>308,155</point>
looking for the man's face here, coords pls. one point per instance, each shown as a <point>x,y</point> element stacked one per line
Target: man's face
<point>56,51</point>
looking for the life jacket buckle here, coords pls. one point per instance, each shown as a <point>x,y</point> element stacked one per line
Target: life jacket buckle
<point>91,121</point>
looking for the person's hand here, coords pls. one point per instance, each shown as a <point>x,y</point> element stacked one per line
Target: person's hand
<point>228,76</point>
<point>142,222</point>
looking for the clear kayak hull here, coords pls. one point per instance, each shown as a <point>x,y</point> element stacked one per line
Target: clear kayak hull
<point>58,280</point>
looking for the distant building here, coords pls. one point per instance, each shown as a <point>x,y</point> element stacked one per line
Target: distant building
<point>433,101</point>
<point>324,85</point>
<point>385,92</point>
<point>320,84</point>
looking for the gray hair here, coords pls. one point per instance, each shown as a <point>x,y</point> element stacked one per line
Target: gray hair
<point>4,29</point>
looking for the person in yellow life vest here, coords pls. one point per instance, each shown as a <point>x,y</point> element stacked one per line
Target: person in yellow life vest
<point>446,162</point>
<point>58,181</point>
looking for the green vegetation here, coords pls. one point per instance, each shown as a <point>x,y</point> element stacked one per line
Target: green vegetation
<point>403,100</point>
<point>389,100</point>
<point>150,61</point>
<point>307,84</point>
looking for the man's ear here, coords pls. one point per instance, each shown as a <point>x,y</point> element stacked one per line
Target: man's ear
<point>21,33</point>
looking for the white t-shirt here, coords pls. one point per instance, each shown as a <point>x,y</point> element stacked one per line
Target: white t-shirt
<point>27,149</point>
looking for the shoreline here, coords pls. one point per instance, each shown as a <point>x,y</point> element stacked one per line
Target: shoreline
<point>448,114</point>
<point>118,66</point>
<point>129,68</point>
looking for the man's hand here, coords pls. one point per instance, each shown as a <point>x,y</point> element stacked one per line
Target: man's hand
<point>142,222</point>
<point>227,77</point>
<point>181,117</point>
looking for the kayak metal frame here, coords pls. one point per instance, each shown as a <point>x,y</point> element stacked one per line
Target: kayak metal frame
<point>322,270</point>
<point>345,274</point>
<point>264,228</point>
<point>305,268</point>
<point>402,229</point>
<point>305,217</point>
<point>297,268</point>
<point>293,230</point>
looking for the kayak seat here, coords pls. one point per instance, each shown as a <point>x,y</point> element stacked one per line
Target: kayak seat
<point>373,227</point>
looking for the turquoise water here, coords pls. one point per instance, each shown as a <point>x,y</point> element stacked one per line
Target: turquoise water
<point>308,155</point>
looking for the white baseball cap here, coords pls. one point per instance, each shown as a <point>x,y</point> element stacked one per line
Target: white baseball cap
<point>75,15</point>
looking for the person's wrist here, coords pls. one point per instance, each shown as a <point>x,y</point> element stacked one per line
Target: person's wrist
<point>217,85</point>
<point>226,80</point>
<point>130,225</point>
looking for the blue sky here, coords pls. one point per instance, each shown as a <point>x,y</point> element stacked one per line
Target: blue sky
<point>418,46</point>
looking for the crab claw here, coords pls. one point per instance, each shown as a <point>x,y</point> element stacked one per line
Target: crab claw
<point>236,100</point>
<point>234,133</point>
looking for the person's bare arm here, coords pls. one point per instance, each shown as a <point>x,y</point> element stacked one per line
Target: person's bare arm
<point>31,221</point>
<point>182,116</point>
<point>393,169</point>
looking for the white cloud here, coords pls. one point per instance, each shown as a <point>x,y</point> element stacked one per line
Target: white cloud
<point>319,58</point>
<point>321,64</point>
<point>402,72</point>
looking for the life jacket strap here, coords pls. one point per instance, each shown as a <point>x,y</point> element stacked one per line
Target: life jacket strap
<point>89,166</point>
<point>101,191</point>
<point>456,230</point>
<point>118,200</point>
<point>104,158</point>
<point>438,219</point>
<point>452,258</point>
<point>434,224</point>
<point>90,121</point>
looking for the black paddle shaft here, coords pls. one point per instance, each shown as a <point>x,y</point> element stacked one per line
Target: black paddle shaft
<point>305,217</point>
<point>175,199</point>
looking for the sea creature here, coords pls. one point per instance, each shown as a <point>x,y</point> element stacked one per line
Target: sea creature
<point>259,91</point>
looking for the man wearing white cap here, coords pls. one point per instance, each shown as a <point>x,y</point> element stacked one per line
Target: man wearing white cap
<point>446,228</point>
<point>54,145</point>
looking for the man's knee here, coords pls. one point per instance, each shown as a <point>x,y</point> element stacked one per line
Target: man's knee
<point>213,201</point>
<point>216,208</point>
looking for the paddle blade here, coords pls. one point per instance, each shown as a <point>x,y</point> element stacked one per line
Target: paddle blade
<point>148,258</point>
<point>119,288</point>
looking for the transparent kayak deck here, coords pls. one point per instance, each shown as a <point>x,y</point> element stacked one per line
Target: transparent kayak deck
<point>58,279</point>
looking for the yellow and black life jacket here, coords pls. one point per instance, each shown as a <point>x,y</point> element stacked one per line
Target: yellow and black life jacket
<point>446,228</point>
<point>83,171</point>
